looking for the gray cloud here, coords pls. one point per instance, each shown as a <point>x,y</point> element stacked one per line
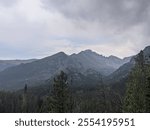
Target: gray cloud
<point>119,13</point>
<point>7,3</point>
<point>39,28</point>
<point>126,21</point>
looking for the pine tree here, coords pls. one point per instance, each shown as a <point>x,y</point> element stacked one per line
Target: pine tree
<point>59,100</point>
<point>24,100</point>
<point>148,96</point>
<point>102,103</point>
<point>136,86</point>
<point>140,62</point>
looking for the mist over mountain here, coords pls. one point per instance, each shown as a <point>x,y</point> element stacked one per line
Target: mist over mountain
<point>94,83</point>
<point>102,64</point>
<point>84,69</point>
<point>123,71</point>
<point>84,64</point>
<point>10,63</point>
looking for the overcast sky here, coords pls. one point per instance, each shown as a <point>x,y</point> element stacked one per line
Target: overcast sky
<point>39,28</point>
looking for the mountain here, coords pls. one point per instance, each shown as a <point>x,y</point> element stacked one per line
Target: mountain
<point>10,63</point>
<point>81,67</point>
<point>91,60</point>
<point>127,59</point>
<point>123,71</point>
<point>147,54</point>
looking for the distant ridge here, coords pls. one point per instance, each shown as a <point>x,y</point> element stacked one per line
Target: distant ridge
<point>38,71</point>
<point>10,63</point>
<point>123,71</point>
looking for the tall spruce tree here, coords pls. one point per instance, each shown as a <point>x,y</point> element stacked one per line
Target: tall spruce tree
<point>24,100</point>
<point>59,100</point>
<point>136,86</point>
<point>102,103</point>
<point>148,96</point>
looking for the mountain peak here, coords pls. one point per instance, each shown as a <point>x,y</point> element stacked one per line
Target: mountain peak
<point>44,69</point>
<point>88,51</point>
<point>147,50</point>
<point>114,57</point>
<point>60,54</point>
<point>148,47</point>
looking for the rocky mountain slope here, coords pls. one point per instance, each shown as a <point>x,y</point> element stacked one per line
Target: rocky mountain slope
<point>125,69</point>
<point>10,63</point>
<point>84,64</point>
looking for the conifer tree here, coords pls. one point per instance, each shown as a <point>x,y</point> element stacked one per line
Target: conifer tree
<point>148,96</point>
<point>136,86</point>
<point>24,100</point>
<point>59,101</point>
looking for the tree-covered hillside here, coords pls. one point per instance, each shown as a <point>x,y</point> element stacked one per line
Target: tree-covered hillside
<point>125,90</point>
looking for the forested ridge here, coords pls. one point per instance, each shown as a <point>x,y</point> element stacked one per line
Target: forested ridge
<point>137,98</point>
<point>131,94</point>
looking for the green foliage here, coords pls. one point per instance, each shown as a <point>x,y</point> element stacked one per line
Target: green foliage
<point>137,92</point>
<point>148,96</point>
<point>10,102</point>
<point>25,100</point>
<point>59,100</point>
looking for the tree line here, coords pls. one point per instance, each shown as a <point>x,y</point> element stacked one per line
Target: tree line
<point>62,98</point>
<point>137,98</point>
